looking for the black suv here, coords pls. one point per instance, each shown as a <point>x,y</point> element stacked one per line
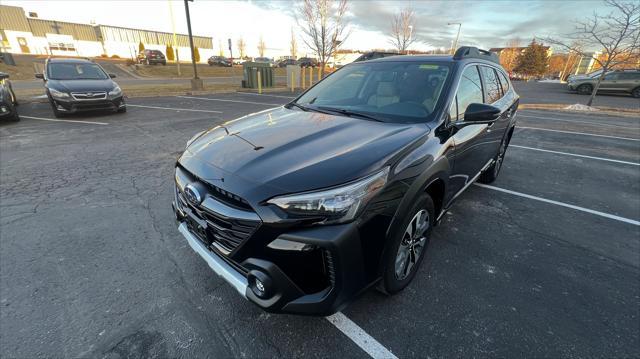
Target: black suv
<point>75,85</point>
<point>8,101</point>
<point>151,57</point>
<point>307,62</point>
<point>303,207</point>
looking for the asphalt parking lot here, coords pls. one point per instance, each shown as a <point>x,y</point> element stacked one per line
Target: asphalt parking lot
<point>543,263</point>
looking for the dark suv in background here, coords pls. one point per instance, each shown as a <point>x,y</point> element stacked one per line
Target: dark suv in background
<point>76,85</point>
<point>219,61</point>
<point>151,57</point>
<point>303,207</point>
<point>8,101</point>
<point>307,62</point>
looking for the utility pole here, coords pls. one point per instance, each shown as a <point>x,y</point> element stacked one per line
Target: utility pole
<point>455,44</point>
<point>175,38</point>
<point>196,82</point>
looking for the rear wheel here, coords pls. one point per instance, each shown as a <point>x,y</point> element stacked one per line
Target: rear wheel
<point>491,173</point>
<point>585,89</point>
<point>636,92</point>
<point>407,246</point>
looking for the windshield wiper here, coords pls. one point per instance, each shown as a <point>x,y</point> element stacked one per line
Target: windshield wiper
<point>350,113</point>
<point>305,109</point>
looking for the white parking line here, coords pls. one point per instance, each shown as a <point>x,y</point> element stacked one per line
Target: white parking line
<point>567,205</point>
<point>581,122</point>
<point>359,336</point>
<point>257,94</point>
<point>70,121</point>
<point>237,101</point>
<point>173,108</point>
<point>577,155</point>
<point>578,133</point>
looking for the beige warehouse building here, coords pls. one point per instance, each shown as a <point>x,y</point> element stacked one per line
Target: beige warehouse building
<point>22,34</point>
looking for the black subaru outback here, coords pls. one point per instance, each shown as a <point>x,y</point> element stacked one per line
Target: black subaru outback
<point>304,206</point>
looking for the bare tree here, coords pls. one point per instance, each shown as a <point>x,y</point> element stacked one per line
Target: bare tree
<point>617,34</point>
<point>323,25</point>
<point>242,46</point>
<point>509,56</point>
<point>261,46</point>
<point>403,30</point>
<point>293,46</point>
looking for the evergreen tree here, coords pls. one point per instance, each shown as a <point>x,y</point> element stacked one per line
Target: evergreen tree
<point>533,61</point>
<point>196,54</point>
<point>140,47</point>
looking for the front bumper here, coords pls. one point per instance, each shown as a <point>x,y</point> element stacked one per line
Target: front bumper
<point>339,247</point>
<point>74,106</point>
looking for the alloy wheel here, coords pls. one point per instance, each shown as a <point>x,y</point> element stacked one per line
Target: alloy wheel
<point>412,244</point>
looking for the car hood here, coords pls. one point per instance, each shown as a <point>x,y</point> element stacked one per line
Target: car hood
<point>81,85</point>
<point>293,150</point>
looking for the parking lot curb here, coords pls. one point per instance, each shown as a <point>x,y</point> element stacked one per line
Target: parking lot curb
<point>601,110</point>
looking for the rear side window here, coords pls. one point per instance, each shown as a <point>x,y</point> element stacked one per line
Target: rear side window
<point>491,84</point>
<point>629,76</point>
<point>503,81</point>
<point>469,90</point>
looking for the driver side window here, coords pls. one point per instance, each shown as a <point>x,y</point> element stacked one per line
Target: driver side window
<point>469,91</point>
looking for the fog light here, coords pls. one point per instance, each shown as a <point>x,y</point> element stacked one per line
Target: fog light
<point>3,109</point>
<point>259,286</point>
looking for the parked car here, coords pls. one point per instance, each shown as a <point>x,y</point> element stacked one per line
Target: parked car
<point>219,61</point>
<point>239,61</point>
<point>8,100</point>
<point>626,81</point>
<point>76,85</point>
<point>151,57</point>
<point>307,62</point>
<point>285,62</point>
<point>374,55</point>
<point>593,74</point>
<point>303,207</point>
<point>264,60</point>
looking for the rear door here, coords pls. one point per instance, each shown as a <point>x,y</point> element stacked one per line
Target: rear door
<point>498,95</point>
<point>473,145</point>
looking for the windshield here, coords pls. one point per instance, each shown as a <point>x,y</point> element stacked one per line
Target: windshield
<point>401,92</point>
<point>76,71</point>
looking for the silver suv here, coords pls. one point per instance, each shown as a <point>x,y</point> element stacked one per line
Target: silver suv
<point>626,81</point>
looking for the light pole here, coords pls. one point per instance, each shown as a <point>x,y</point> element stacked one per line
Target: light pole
<point>455,44</point>
<point>175,38</point>
<point>196,82</point>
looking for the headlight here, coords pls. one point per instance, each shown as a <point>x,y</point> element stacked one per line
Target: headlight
<point>195,137</point>
<point>115,92</point>
<point>58,94</point>
<point>336,205</point>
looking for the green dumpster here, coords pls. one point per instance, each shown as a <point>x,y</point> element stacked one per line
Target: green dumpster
<point>250,72</point>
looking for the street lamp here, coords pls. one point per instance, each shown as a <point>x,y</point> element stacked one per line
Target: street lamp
<point>455,44</point>
<point>196,82</point>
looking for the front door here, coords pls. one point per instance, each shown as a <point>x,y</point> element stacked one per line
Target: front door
<point>474,146</point>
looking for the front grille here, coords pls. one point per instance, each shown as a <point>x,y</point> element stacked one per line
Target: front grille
<point>89,96</point>
<point>224,233</point>
<point>330,267</point>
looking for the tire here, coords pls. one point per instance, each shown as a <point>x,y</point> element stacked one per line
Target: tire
<point>585,89</point>
<point>122,110</point>
<point>56,113</point>
<point>491,174</point>
<point>636,92</point>
<point>406,247</point>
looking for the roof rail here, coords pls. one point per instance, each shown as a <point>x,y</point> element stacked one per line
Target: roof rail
<point>466,52</point>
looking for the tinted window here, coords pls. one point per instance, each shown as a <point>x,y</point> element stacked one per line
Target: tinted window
<point>404,92</point>
<point>469,90</point>
<point>77,71</point>
<point>504,82</point>
<point>629,76</point>
<point>491,83</point>
<point>610,77</point>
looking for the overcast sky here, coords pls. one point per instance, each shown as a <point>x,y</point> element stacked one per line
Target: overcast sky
<point>484,23</point>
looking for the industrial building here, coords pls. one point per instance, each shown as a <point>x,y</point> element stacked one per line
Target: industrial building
<point>22,34</point>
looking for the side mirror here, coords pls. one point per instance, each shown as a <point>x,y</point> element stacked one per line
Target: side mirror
<point>40,76</point>
<point>477,113</point>
<point>113,76</point>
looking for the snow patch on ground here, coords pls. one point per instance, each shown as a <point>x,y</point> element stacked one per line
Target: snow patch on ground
<point>580,107</point>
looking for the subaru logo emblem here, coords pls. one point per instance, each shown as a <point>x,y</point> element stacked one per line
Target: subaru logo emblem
<point>192,195</point>
<point>90,94</point>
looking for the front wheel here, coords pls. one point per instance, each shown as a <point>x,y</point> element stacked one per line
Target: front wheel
<point>491,174</point>
<point>405,251</point>
<point>585,89</point>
